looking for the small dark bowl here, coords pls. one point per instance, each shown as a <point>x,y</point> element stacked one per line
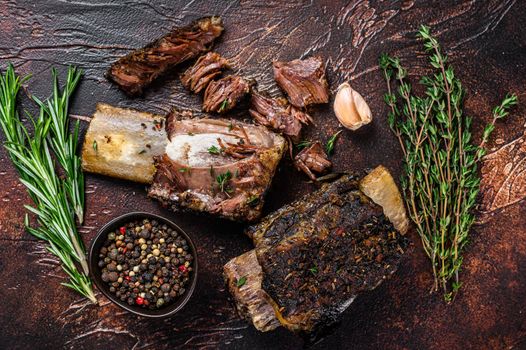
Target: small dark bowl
<point>96,272</point>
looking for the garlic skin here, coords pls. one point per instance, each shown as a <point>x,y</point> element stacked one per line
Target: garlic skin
<point>350,108</point>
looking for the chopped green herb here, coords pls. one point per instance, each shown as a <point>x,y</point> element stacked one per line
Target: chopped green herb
<point>222,180</point>
<point>230,126</point>
<point>214,150</point>
<point>190,133</point>
<point>142,152</point>
<point>253,200</point>
<point>330,144</point>
<point>224,106</point>
<point>95,147</point>
<point>313,270</point>
<point>241,282</point>
<point>303,144</point>
<point>184,170</point>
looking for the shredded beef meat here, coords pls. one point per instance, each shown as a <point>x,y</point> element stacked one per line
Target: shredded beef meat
<point>312,160</point>
<point>217,166</point>
<point>224,94</point>
<point>207,67</point>
<point>133,72</point>
<point>303,81</point>
<point>278,114</point>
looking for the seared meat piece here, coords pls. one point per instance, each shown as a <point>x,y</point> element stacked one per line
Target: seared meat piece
<point>251,300</point>
<point>133,72</point>
<point>278,114</point>
<point>318,254</point>
<point>312,159</point>
<point>207,67</point>
<point>222,95</point>
<point>303,81</point>
<point>216,166</point>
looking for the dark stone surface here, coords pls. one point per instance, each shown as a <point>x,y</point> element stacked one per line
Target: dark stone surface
<point>486,42</point>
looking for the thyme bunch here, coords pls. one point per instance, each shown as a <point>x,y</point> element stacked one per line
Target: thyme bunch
<point>441,179</point>
<point>52,196</point>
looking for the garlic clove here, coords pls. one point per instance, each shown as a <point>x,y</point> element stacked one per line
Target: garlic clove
<point>350,108</point>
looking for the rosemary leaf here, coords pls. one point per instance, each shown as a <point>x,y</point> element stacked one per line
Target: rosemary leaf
<point>330,144</point>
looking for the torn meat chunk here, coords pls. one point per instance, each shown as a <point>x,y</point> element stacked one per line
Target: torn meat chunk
<point>312,159</point>
<point>303,81</point>
<point>216,166</point>
<point>133,72</point>
<point>207,67</point>
<point>277,114</point>
<point>224,94</point>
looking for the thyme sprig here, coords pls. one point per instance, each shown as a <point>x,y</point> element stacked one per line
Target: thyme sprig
<point>441,179</point>
<point>55,205</point>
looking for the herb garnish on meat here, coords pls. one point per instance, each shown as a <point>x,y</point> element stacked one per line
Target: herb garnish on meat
<point>214,150</point>
<point>222,181</point>
<point>302,144</point>
<point>241,281</point>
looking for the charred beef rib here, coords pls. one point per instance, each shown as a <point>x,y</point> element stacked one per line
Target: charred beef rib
<point>303,80</point>
<point>217,166</point>
<point>224,94</point>
<point>278,114</point>
<point>317,254</point>
<point>207,67</point>
<point>133,72</point>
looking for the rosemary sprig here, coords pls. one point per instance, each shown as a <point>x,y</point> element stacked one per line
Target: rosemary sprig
<point>63,143</point>
<point>31,156</point>
<point>441,180</point>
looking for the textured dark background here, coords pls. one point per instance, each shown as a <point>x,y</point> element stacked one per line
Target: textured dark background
<point>486,43</point>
